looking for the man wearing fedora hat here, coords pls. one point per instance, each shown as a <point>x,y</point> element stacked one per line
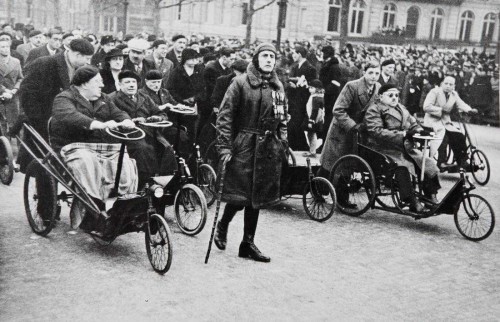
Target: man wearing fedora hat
<point>107,44</point>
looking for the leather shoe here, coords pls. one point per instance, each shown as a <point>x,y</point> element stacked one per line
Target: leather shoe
<point>249,250</point>
<point>347,204</point>
<point>417,207</point>
<point>220,238</point>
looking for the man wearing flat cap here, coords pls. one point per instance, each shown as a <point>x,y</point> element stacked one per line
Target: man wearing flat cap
<point>388,67</point>
<point>52,47</point>
<point>35,38</point>
<point>45,78</point>
<point>135,61</point>
<point>159,61</point>
<point>175,54</point>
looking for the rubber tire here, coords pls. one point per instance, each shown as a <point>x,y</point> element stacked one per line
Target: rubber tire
<point>487,169</point>
<point>370,188</point>
<point>203,208</point>
<point>209,189</point>
<point>459,222</point>
<point>35,173</point>
<point>167,239</point>
<point>305,198</point>
<point>7,175</point>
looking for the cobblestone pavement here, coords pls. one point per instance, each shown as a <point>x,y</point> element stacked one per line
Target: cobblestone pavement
<point>376,267</point>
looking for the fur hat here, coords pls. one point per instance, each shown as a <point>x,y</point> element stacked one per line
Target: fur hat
<point>128,74</point>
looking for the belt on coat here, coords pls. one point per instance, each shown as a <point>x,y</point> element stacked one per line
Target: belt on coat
<point>256,131</point>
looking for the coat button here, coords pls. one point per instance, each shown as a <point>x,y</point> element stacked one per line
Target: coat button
<point>261,138</point>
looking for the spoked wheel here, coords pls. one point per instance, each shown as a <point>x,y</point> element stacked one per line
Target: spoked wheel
<point>475,218</point>
<point>385,192</point>
<point>319,199</point>
<point>159,244</point>
<point>354,184</point>
<point>211,156</point>
<point>207,179</point>
<point>40,199</point>
<point>480,167</point>
<point>6,161</point>
<point>190,209</point>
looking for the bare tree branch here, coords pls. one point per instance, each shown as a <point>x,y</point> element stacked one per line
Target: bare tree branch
<point>181,2</point>
<point>264,5</point>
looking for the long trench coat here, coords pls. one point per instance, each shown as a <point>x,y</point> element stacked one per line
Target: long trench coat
<point>386,127</point>
<point>348,111</point>
<point>247,127</point>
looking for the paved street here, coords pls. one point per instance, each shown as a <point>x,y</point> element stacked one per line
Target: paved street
<point>376,267</point>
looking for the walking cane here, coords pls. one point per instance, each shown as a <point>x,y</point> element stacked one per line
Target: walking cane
<point>219,196</point>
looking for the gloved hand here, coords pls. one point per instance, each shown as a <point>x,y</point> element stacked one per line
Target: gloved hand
<point>226,157</point>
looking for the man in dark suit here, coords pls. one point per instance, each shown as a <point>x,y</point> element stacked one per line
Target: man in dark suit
<point>387,74</point>
<point>52,47</point>
<point>36,39</point>
<point>175,53</point>
<point>158,59</point>
<point>135,61</point>
<point>301,73</point>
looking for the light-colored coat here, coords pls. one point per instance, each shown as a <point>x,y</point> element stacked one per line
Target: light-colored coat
<point>437,114</point>
<point>348,111</point>
<point>386,127</point>
<point>11,75</point>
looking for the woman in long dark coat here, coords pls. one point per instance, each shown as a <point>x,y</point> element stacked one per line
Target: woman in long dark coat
<point>113,64</point>
<point>252,134</point>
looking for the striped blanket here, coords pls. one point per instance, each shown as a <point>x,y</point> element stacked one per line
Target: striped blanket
<point>94,165</point>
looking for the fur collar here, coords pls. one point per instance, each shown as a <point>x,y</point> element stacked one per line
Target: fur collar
<point>255,77</point>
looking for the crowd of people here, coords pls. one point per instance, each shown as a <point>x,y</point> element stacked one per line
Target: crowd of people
<point>311,94</point>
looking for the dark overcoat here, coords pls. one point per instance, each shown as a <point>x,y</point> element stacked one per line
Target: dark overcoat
<point>45,78</point>
<point>221,86</point>
<point>72,115</point>
<point>328,73</point>
<point>248,129</point>
<point>146,67</point>
<point>108,80</point>
<point>212,71</point>
<point>182,86</point>
<point>348,111</point>
<point>38,52</point>
<point>386,127</point>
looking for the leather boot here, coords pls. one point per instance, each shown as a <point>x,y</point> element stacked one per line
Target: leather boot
<point>220,238</point>
<point>249,250</point>
<point>415,205</point>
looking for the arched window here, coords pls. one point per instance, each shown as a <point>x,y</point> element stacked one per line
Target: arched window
<point>389,16</point>
<point>436,22</point>
<point>358,12</point>
<point>334,15</point>
<point>412,17</point>
<point>488,27</point>
<point>466,21</point>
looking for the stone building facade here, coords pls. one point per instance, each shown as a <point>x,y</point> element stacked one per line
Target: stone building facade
<point>453,22</point>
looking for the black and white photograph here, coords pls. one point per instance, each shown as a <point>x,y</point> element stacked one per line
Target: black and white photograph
<point>249,160</point>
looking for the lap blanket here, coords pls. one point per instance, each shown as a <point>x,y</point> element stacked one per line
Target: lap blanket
<point>94,165</point>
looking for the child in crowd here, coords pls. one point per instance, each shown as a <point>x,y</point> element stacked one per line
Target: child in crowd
<point>315,108</point>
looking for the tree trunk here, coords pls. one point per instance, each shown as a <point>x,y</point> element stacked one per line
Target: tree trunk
<point>248,37</point>
<point>156,17</point>
<point>9,11</point>
<point>57,10</point>
<point>344,22</point>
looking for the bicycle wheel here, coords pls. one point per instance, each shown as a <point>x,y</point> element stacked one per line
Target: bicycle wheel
<point>40,199</point>
<point>159,244</point>
<point>475,218</point>
<point>211,157</point>
<point>206,182</point>
<point>319,199</point>
<point>6,161</point>
<point>354,184</point>
<point>480,167</point>
<point>190,209</point>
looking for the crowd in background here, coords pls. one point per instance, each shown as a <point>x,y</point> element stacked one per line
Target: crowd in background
<point>189,67</point>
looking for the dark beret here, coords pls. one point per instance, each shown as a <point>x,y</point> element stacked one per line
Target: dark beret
<point>84,74</point>
<point>153,75</point>
<point>82,46</point>
<point>388,62</point>
<point>128,74</point>
<point>151,38</point>
<point>240,65</point>
<point>107,39</point>
<point>386,87</point>
<point>115,52</point>
<point>316,83</point>
<point>328,51</point>
<point>177,37</point>
<point>159,42</point>
<point>34,33</point>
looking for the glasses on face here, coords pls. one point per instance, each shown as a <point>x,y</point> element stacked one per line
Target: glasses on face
<point>391,95</point>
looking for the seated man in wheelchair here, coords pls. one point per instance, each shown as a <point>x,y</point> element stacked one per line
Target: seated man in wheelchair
<point>437,107</point>
<point>79,116</point>
<point>159,158</point>
<point>390,129</point>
